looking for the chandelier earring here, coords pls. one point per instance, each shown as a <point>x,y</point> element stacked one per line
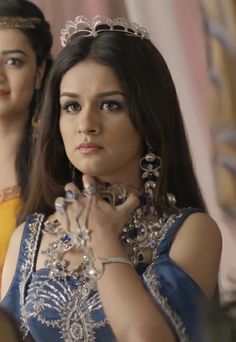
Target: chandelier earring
<point>150,164</point>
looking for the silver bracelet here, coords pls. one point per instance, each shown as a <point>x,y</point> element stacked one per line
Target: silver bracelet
<point>100,262</point>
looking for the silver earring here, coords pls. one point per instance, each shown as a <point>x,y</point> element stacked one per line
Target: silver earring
<point>150,164</point>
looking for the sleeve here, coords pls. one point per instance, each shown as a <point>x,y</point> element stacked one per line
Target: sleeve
<point>178,297</point>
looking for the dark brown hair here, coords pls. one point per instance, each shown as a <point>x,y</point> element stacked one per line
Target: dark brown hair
<point>154,112</point>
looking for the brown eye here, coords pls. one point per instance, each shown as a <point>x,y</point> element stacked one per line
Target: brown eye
<point>14,61</point>
<point>72,107</point>
<point>110,106</point>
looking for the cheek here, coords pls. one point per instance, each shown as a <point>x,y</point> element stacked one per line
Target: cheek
<point>62,130</point>
<point>125,146</point>
<point>127,135</point>
<point>66,135</point>
<point>24,84</point>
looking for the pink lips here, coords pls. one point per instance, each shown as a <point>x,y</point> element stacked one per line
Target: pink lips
<point>89,148</point>
<point>4,92</point>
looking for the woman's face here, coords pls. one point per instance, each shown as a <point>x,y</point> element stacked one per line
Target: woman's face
<point>19,75</point>
<point>98,135</point>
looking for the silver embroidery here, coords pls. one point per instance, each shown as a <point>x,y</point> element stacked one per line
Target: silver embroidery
<point>73,308</point>
<point>27,267</point>
<point>154,285</point>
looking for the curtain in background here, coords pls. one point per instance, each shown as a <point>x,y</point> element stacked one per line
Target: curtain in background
<point>220,29</point>
<point>58,11</point>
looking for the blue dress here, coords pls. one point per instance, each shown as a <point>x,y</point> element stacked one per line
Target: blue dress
<point>66,310</point>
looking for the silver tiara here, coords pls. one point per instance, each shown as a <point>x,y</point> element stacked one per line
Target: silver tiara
<point>93,27</point>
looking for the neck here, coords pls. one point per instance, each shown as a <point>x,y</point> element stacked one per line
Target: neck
<point>125,178</point>
<point>11,132</point>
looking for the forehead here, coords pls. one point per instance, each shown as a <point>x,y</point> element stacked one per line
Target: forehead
<point>11,39</point>
<point>90,75</point>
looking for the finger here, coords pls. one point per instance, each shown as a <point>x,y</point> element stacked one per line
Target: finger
<point>60,205</point>
<point>74,204</point>
<point>86,179</point>
<point>130,204</point>
<point>61,212</point>
<point>89,185</point>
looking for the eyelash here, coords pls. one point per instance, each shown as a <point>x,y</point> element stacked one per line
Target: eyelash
<point>14,61</point>
<point>116,106</point>
<point>67,106</point>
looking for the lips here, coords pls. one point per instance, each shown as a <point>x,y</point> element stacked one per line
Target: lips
<point>4,92</point>
<point>89,148</point>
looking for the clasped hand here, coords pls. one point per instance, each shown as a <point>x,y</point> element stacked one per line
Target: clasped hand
<point>88,210</point>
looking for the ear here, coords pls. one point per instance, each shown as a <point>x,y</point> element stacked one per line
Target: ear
<point>39,75</point>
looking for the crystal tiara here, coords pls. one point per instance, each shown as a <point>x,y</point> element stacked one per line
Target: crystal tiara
<point>100,24</point>
<point>19,22</point>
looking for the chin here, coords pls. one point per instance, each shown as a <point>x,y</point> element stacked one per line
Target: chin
<point>92,169</point>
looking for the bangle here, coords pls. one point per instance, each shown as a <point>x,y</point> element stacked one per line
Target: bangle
<point>100,262</point>
<point>94,268</point>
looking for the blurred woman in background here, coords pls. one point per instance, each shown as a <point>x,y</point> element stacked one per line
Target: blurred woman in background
<point>25,44</point>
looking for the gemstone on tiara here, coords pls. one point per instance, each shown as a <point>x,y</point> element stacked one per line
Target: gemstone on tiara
<point>100,24</point>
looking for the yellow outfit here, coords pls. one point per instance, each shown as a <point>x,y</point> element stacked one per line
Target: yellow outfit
<point>10,203</point>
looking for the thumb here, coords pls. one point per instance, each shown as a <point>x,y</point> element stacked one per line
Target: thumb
<point>130,204</point>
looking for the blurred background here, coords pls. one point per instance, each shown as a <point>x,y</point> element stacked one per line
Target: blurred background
<point>198,40</point>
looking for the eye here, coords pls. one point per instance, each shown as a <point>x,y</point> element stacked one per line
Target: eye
<point>71,107</point>
<point>111,105</point>
<point>14,61</point>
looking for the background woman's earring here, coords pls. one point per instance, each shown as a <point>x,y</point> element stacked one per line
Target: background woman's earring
<point>150,164</point>
<point>35,118</point>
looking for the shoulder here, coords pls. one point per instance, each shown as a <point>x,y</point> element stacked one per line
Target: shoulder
<point>11,259</point>
<point>197,249</point>
<point>200,225</point>
<point>17,234</point>
<point>200,228</point>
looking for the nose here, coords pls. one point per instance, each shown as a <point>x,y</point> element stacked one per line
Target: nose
<point>89,122</point>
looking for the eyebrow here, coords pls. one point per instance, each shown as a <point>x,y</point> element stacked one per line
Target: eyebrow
<point>7,52</point>
<point>103,94</point>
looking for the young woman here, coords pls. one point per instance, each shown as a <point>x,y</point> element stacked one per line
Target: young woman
<point>119,259</point>
<point>25,43</point>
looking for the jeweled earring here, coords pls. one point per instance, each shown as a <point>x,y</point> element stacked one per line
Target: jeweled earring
<point>150,164</point>
<point>35,118</point>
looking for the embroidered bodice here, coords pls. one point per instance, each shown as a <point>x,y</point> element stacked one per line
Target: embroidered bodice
<point>66,310</point>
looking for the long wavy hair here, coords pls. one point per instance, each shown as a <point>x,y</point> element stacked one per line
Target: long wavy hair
<point>40,39</point>
<point>154,111</point>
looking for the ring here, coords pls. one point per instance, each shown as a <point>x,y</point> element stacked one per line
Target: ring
<point>70,196</point>
<point>60,207</point>
<point>51,227</point>
<point>90,190</point>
